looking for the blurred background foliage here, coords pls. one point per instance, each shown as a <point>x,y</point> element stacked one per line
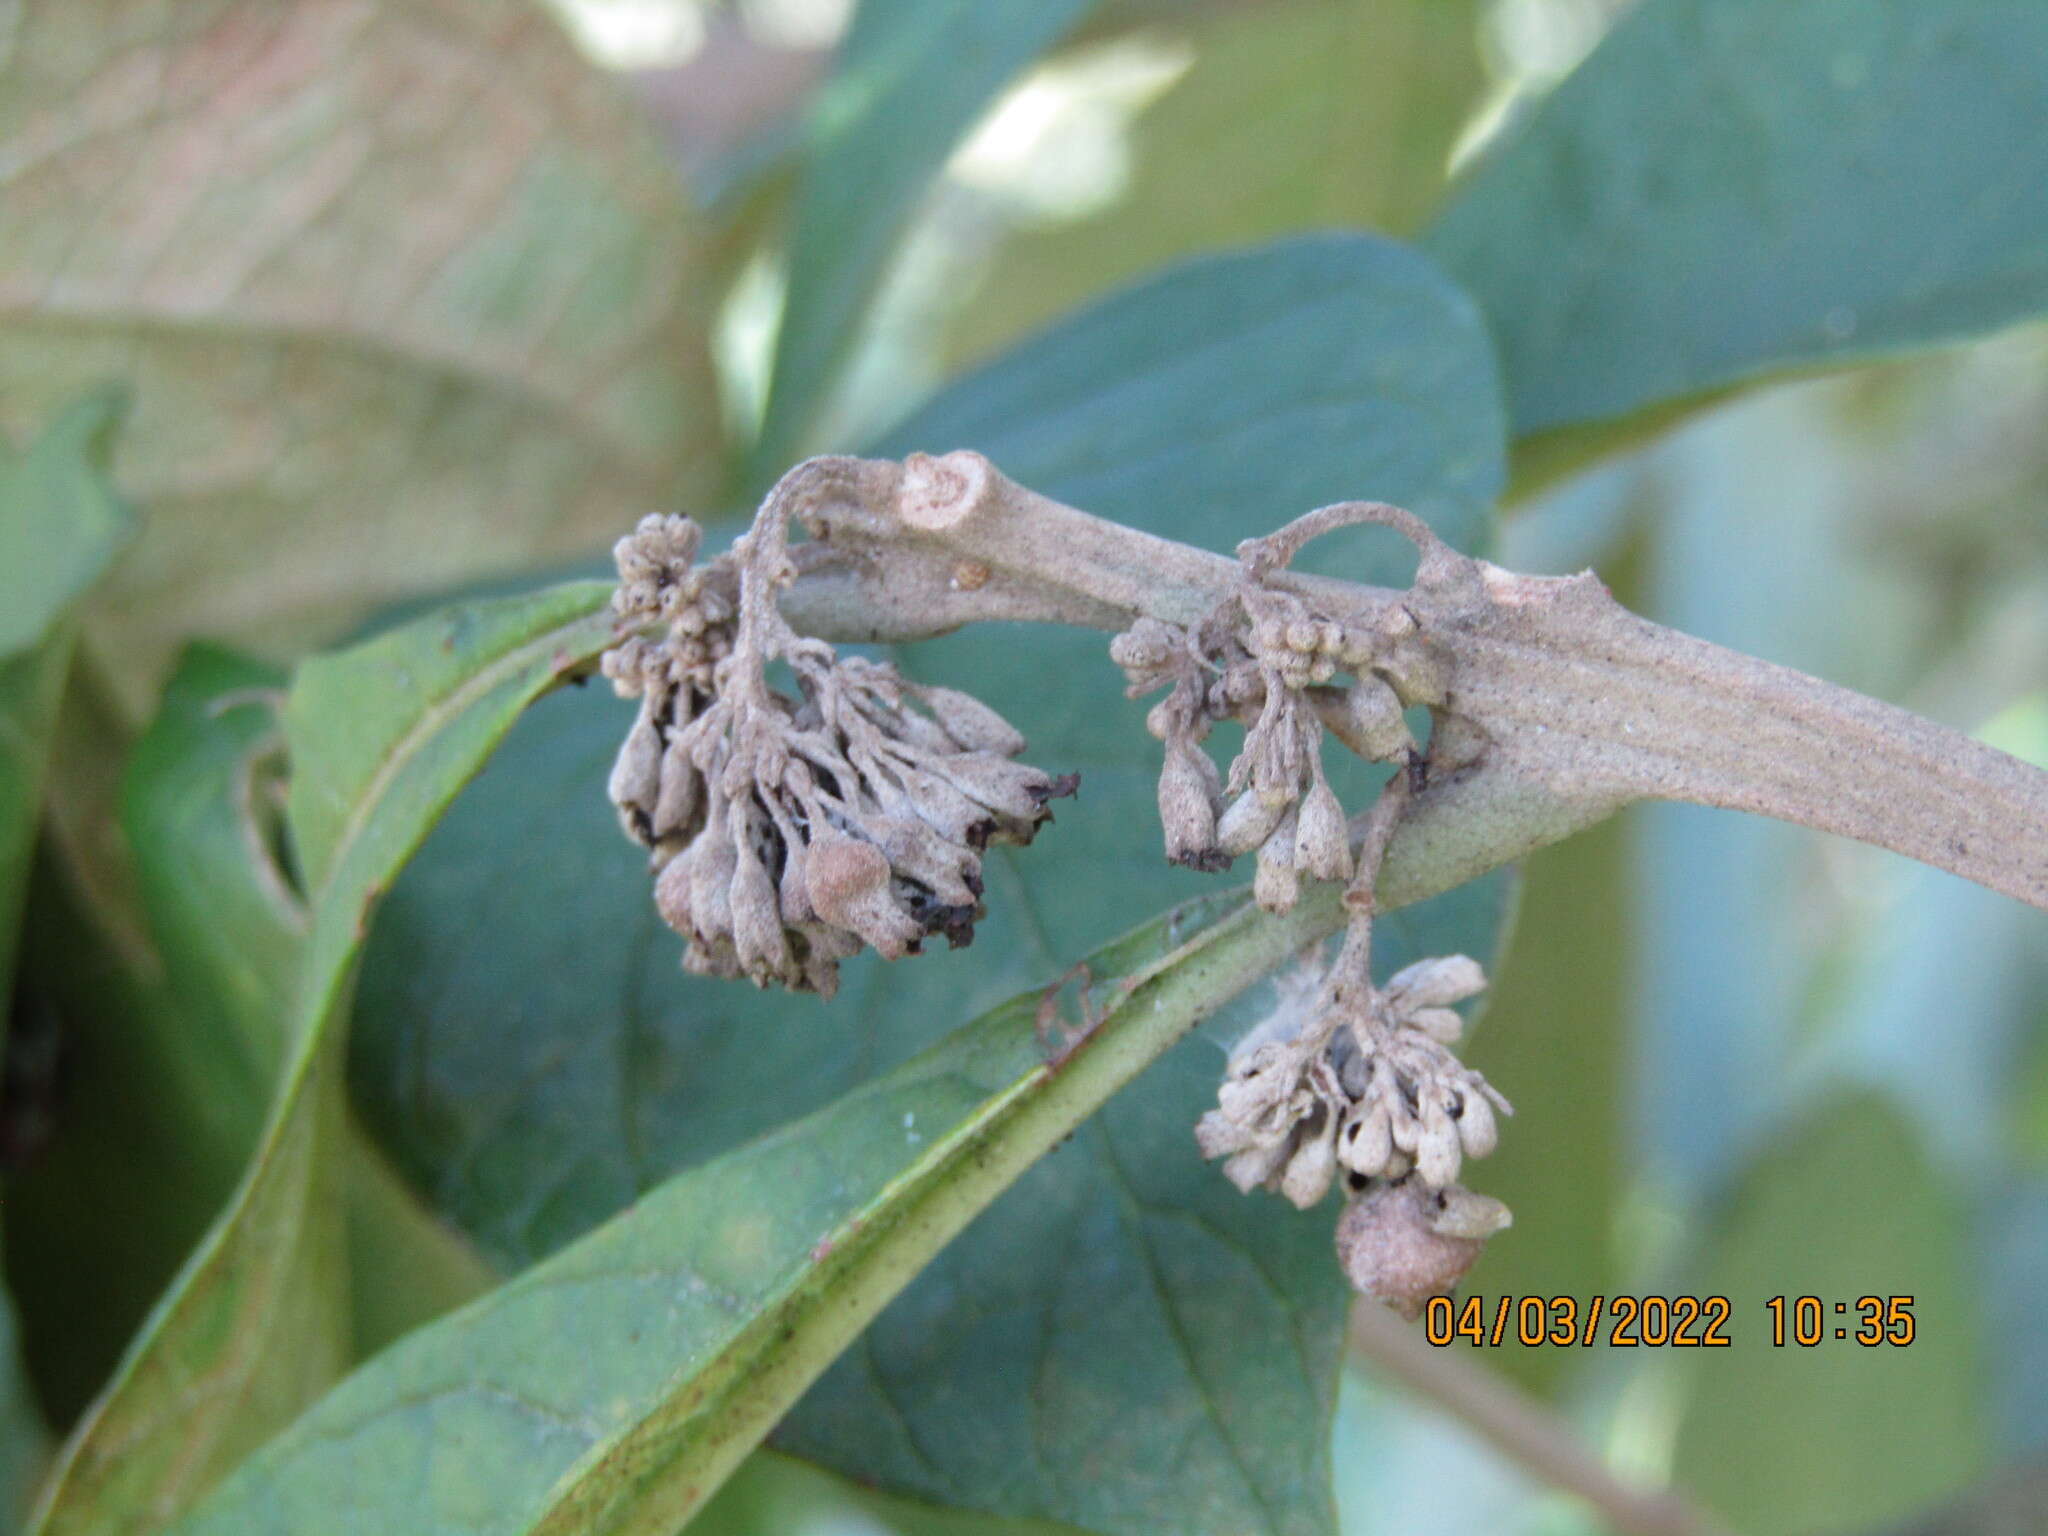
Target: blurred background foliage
<point>1746,1060</point>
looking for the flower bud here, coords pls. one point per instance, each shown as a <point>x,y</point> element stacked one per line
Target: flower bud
<point>1146,646</point>
<point>712,863</point>
<point>1014,789</point>
<point>1461,1213</point>
<point>1322,841</point>
<point>1276,886</point>
<point>636,774</point>
<point>682,790</point>
<point>971,723</point>
<point>1444,1025</point>
<point>672,892</point>
<point>1366,1141</point>
<point>1372,725</point>
<point>1246,823</point>
<point>1478,1131</point>
<point>839,871</point>
<point>1309,1172</point>
<point>1437,1151</point>
<point>1186,811</point>
<point>1435,983</point>
<point>1255,1165</point>
<point>756,916</point>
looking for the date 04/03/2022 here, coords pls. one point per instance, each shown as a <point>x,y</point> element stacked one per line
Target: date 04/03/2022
<point>1658,1322</point>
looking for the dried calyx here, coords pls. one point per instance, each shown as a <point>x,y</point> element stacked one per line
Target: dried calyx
<point>1266,657</point>
<point>1352,1082</point>
<point>788,832</point>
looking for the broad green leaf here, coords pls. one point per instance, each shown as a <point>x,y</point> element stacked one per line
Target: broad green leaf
<point>613,1387</point>
<point>59,525</point>
<point>530,1053</point>
<point>1838,1435</point>
<point>381,737</point>
<point>24,1441</point>
<point>60,522</point>
<point>1312,114</point>
<point>911,78</point>
<point>202,810</point>
<point>405,291</point>
<point>1727,189</point>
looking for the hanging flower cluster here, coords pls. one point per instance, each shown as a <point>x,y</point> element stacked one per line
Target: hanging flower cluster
<point>1355,1080</point>
<point>790,831</point>
<point>1268,657</point>
<point>1347,1080</point>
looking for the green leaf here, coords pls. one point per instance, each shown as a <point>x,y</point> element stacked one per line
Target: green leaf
<point>530,1053</point>
<point>201,811</point>
<point>59,520</point>
<point>1817,184</point>
<point>382,736</point>
<point>1837,1435</point>
<point>1314,114</point>
<point>406,292</point>
<point>613,1387</point>
<point>59,525</point>
<point>911,78</point>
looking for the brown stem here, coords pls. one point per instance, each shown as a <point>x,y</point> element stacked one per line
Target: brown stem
<point>1520,1428</point>
<point>1560,705</point>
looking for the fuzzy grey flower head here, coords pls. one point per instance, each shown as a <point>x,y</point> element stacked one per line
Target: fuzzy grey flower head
<point>789,832</point>
<point>1355,1081</point>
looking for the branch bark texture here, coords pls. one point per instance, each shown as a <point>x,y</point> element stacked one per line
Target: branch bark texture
<point>1560,705</point>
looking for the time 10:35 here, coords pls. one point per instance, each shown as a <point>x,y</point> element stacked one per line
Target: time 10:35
<point>1868,1320</point>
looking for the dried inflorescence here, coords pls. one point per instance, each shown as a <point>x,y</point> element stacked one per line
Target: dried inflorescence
<point>1268,657</point>
<point>1346,1080</point>
<point>787,832</point>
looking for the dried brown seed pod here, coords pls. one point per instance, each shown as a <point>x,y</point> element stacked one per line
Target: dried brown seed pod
<point>1403,1242</point>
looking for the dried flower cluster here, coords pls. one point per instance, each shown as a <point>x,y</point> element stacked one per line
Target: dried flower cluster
<point>788,832</point>
<point>1266,656</point>
<point>1343,1078</point>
